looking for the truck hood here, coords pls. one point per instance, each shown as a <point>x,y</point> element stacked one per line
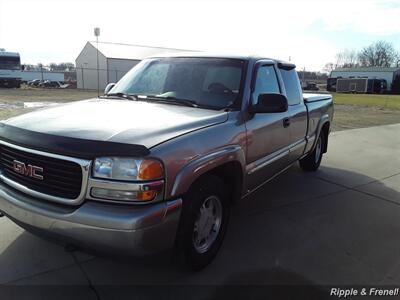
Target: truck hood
<point>120,121</point>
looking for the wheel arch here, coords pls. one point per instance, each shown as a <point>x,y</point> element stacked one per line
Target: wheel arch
<point>228,164</point>
<point>325,129</point>
<point>323,126</point>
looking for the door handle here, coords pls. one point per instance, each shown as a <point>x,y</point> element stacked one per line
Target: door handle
<point>286,122</point>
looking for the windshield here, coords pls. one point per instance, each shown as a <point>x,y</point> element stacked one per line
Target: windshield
<point>209,82</point>
<point>10,63</point>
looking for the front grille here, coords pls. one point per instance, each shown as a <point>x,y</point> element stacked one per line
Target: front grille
<point>61,178</point>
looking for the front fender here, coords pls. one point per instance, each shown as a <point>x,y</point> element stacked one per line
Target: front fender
<point>205,163</point>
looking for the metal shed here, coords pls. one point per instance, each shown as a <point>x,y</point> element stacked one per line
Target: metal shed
<point>115,60</point>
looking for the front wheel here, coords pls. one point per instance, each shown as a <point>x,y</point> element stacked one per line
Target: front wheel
<point>312,161</point>
<point>204,221</point>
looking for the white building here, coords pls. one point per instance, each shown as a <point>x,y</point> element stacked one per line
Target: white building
<point>114,61</point>
<point>371,73</point>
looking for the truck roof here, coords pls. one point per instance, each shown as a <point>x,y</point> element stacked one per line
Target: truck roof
<point>251,57</point>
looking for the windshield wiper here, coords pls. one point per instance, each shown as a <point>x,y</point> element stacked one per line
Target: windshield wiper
<point>123,95</point>
<point>170,99</point>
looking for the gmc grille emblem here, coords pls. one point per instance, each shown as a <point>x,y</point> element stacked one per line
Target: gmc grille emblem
<point>28,170</point>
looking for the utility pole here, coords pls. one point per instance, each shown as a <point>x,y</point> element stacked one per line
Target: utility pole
<point>83,79</point>
<point>97,34</point>
<point>41,71</point>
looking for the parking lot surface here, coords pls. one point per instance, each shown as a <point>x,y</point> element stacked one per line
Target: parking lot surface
<point>338,226</point>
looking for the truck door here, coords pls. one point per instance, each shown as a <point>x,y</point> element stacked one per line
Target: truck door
<point>297,111</point>
<point>267,135</point>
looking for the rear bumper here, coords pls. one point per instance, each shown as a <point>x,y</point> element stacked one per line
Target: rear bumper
<point>130,230</point>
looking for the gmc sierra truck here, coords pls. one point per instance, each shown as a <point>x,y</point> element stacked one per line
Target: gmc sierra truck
<point>156,163</point>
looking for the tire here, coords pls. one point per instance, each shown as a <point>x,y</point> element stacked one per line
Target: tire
<point>312,161</point>
<point>206,210</point>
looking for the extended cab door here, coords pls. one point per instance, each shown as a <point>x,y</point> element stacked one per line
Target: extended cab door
<point>297,111</point>
<point>267,135</point>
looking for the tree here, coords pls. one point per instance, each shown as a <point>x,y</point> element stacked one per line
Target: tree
<point>329,67</point>
<point>379,54</point>
<point>41,67</point>
<point>62,67</point>
<point>397,60</point>
<point>347,59</point>
<point>53,67</point>
<point>29,67</point>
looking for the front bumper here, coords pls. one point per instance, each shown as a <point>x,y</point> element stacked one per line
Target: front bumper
<point>135,230</point>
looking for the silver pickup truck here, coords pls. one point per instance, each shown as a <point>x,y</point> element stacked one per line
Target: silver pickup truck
<point>156,163</point>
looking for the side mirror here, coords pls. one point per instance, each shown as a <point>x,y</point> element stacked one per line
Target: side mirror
<point>108,88</point>
<point>270,103</point>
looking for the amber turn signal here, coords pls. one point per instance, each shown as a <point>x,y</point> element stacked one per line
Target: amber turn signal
<point>150,170</point>
<point>146,196</point>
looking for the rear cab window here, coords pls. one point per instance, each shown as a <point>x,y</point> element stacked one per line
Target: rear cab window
<point>292,86</point>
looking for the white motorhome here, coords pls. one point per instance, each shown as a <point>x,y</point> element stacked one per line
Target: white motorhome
<point>10,69</point>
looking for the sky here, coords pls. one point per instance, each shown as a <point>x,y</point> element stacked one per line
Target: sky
<point>310,33</point>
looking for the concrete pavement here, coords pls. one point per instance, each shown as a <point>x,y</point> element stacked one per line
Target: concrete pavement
<point>340,225</point>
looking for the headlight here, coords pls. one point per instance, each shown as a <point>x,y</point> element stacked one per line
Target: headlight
<point>129,179</point>
<point>129,169</point>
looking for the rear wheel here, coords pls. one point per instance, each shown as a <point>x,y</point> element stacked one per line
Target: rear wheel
<point>312,161</point>
<point>204,221</point>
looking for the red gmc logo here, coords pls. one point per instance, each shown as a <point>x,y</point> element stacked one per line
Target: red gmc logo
<point>28,170</point>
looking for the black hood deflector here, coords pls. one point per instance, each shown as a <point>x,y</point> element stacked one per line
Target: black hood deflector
<point>68,146</point>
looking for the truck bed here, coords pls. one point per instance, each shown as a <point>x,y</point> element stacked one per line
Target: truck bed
<point>308,97</point>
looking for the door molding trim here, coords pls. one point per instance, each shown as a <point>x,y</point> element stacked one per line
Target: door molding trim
<point>273,157</point>
<point>295,146</point>
<point>266,160</point>
<point>249,192</point>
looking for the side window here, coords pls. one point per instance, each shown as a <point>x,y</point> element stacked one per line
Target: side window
<point>292,86</point>
<point>266,82</point>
